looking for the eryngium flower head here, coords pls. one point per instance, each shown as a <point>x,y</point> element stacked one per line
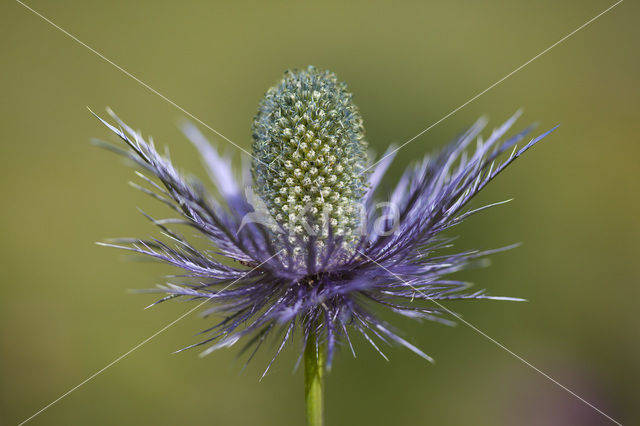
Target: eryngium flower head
<point>310,155</point>
<point>334,289</point>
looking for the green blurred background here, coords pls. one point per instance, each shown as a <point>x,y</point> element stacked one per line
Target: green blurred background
<point>64,308</point>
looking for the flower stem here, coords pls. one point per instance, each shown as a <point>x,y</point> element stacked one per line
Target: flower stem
<point>313,382</point>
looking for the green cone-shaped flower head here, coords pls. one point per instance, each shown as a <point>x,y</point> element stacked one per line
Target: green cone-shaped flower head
<point>310,155</point>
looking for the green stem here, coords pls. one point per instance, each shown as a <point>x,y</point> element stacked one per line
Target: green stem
<point>313,383</point>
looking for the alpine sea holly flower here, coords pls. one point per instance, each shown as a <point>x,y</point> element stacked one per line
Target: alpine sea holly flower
<point>321,263</point>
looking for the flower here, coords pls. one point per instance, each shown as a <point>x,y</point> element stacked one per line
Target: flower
<point>308,252</point>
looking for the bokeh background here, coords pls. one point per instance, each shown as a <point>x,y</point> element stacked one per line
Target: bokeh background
<point>64,308</point>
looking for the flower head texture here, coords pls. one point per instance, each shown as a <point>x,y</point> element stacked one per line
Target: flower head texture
<point>310,156</point>
<point>305,246</point>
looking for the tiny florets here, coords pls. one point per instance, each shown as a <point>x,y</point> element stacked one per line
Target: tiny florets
<point>310,155</point>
